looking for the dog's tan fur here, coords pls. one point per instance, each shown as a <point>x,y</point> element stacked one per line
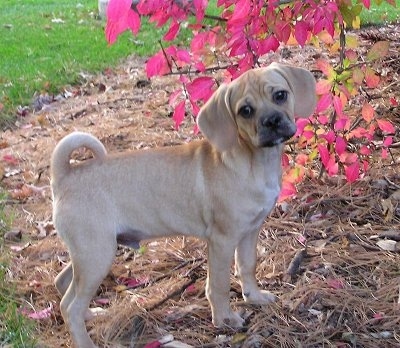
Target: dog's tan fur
<point>220,189</point>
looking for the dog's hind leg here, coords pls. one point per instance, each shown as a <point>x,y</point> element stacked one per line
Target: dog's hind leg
<point>90,265</point>
<point>245,264</point>
<point>63,279</point>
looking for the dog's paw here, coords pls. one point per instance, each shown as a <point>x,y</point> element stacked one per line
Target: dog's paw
<point>232,320</point>
<point>259,297</point>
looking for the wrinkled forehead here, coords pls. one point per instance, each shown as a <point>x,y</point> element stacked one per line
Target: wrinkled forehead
<point>263,82</point>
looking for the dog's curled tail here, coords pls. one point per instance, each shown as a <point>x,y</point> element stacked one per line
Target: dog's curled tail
<point>60,160</point>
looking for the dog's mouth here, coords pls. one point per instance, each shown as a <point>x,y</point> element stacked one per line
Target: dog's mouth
<point>274,130</point>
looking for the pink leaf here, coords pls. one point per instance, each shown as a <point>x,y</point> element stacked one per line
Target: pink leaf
<point>341,124</point>
<point>329,136</point>
<point>157,65</point>
<point>40,315</point>
<point>365,150</point>
<point>120,17</point>
<point>324,154</point>
<point>172,32</point>
<point>337,103</point>
<point>131,282</point>
<point>393,102</point>
<point>379,315</point>
<point>388,141</point>
<point>288,190</point>
<point>242,9</point>
<point>154,344</point>
<point>335,283</point>
<point>183,56</point>
<point>367,3</point>
<point>179,114</point>
<point>352,172</point>
<point>201,88</point>
<point>301,32</point>
<point>200,6</point>
<point>324,103</point>
<point>270,44</point>
<point>10,159</point>
<point>340,145</point>
<point>386,126</point>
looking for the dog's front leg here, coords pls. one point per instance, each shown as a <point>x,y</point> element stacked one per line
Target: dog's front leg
<point>245,263</point>
<point>220,255</point>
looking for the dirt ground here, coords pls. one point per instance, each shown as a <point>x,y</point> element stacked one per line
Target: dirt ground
<point>345,238</point>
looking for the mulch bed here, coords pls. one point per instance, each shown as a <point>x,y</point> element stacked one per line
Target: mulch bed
<point>331,254</point>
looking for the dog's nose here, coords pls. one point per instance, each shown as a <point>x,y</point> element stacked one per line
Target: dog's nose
<point>273,121</point>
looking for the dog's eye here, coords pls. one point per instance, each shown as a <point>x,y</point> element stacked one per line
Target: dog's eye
<point>246,111</point>
<point>280,97</point>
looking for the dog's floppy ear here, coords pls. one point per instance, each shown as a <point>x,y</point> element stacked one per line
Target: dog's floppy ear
<point>216,120</point>
<point>303,84</point>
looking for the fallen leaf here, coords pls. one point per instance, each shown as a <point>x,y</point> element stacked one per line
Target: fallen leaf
<point>387,209</point>
<point>13,235</point>
<point>10,159</point>
<point>39,315</point>
<point>387,245</point>
<point>18,248</point>
<point>335,283</point>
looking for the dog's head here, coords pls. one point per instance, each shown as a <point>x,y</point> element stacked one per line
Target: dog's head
<point>259,107</point>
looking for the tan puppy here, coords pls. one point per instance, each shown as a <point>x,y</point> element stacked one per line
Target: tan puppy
<point>220,189</point>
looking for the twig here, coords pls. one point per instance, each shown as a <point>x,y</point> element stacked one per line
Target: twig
<point>294,265</point>
<point>173,294</point>
<point>166,275</point>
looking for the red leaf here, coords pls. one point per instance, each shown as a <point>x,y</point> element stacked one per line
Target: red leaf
<point>329,136</point>
<point>157,65</point>
<point>270,44</point>
<point>179,114</point>
<point>324,103</point>
<point>388,141</point>
<point>337,104</point>
<point>11,159</point>
<point>324,154</point>
<point>386,126</point>
<point>367,112</point>
<point>367,3</point>
<point>340,145</point>
<point>201,88</point>
<point>172,32</point>
<point>200,6</point>
<point>301,32</point>
<point>183,56</point>
<point>371,79</point>
<point>288,190</point>
<point>120,17</point>
<point>365,150</point>
<point>335,283</point>
<point>352,172</point>
<point>39,315</point>
<point>154,344</point>
<point>242,9</point>
<point>393,102</point>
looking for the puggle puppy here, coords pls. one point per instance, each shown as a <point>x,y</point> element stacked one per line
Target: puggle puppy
<point>219,189</point>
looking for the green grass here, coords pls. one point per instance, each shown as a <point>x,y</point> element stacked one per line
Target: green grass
<point>380,14</point>
<point>45,44</point>
<point>15,329</point>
